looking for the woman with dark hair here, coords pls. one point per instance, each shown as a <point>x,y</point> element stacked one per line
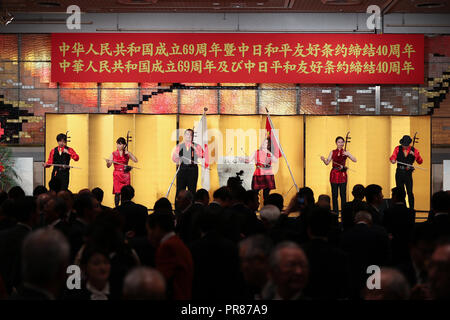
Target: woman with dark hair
<point>121,174</point>
<point>338,174</point>
<point>263,177</point>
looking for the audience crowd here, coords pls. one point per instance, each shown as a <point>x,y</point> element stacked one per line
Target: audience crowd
<point>60,245</point>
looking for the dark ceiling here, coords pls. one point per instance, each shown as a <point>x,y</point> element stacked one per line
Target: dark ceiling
<point>258,6</point>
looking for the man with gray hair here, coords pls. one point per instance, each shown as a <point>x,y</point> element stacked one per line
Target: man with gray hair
<point>289,271</point>
<point>254,255</point>
<point>45,257</point>
<point>393,286</point>
<point>144,283</point>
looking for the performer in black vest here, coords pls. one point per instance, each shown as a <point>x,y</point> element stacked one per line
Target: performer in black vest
<point>186,154</point>
<point>60,158</point>
<point>403,176</point>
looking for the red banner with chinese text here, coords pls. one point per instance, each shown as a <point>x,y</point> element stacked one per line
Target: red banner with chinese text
<point>238,58</point>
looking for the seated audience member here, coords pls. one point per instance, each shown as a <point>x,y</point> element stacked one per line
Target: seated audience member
<point>106,233</point>
<point>55,213</point>
<point>269,215</point>
<point>221,197</point>
<point>3,196</point>
<point>367,244</point>
<point>143,283</point>
<point>439,272</point>
<point>187,216</point>
<point>276,199</point>
<point>350,208</point>
<point>216,262</point>
<point>98,194</point>
<point>440,213</point>
<point>16,193</point>
<point>11,241</point>
<point>393,286</point>
<point>421,246</point>
<point>374,199</point>
<point>329,269</point>
<point>163,204</point>
<point>45,258</point>
<point>7,214</point>
<point>288,274</point>
<point>173,259</point>
<point>39,190</point>
<point>68,198</point>
<point>399,222</point>
<point>133,215</point>
<point>96,268</point>
<point>86,209</point>
<point>324,201</point>
<point>201,197</point>
<point>254,253</point>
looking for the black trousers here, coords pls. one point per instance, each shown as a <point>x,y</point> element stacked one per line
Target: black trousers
<point>187,178</point>
<point>342,187</point>
<point>63,176</point>
<point>403,178</point>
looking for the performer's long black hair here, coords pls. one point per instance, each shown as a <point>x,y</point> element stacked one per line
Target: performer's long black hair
<point>122,140</point>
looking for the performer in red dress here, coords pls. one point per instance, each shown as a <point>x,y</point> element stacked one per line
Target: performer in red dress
<point>338,174</point>
<point>121,174</point>
<point>263,177</point>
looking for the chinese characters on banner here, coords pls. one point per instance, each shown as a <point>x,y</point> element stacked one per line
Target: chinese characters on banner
<point>225,57</point>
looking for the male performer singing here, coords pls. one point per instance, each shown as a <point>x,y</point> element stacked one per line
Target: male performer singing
<point>61,156</point>
<point>186,154</point>
<point>403,176</point>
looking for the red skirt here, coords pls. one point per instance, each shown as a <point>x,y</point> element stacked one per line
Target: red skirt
<point>120,179</point>
<point>337,176</point>
<point>263,182</point>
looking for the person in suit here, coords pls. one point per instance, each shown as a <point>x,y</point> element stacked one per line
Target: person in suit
<point>254,253</point>
<point>187,226</point>
<point>173,259</point>
<point>329,266</point>
<point>288,274</point>
<point>366,244</point>
<point>352,207</point>
<point>86,209</point>
<point>438,271</point>
<point>45,257</point>
<point>440,213</point>
<point>98,194</point>
<point>276,199</point>
<point>374,199</point>
<point>11,242</point>
<point>393,286</point>
<point>61,156</point>
<point>96,267</point>
<point>144,283</point>
<point>134,215</point>
<point>216,261</point>
<point>399,222</point>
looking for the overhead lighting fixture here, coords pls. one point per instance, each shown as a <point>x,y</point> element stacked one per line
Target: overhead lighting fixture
<point>6,18</point>
<point>430,5</point>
